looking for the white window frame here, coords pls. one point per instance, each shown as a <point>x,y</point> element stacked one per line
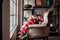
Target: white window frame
<point>13,13</point>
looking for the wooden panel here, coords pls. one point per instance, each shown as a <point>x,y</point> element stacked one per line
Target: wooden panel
<point>1,20</point>
<point>19,12</point>
<point>5,20</point>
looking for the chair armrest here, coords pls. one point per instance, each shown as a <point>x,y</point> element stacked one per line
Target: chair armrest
<point>37,26</point>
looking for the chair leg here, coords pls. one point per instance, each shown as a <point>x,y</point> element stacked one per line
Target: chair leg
<point>46,38</point>
<point>43,38</point>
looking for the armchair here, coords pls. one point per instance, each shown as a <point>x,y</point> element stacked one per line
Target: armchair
<point>37,31</point>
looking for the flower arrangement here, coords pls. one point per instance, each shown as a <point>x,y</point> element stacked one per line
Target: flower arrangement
<point>34,19</point>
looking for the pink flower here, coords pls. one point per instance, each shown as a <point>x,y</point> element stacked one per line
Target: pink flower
<point>24,30</point>
<point>39,17</point>
<point>40,22</point>
<point>35,21</point>
<point>19,33</point>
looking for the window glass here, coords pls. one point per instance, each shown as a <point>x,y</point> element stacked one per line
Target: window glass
<point>13,16</point>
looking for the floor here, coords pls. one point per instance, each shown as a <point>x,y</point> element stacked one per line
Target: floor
<point>51,38</point>
<point>54,37</point>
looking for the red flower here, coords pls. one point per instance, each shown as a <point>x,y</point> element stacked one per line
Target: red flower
<point>32,22</point>
<point>24,30</point>
<point>28,23</point>
<point>42,20</point>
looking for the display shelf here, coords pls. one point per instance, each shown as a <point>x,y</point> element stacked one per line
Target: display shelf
<point>40,7</point>
<point>27,9</point>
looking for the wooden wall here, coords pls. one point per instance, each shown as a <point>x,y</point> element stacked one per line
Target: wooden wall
<point>5,19</point>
